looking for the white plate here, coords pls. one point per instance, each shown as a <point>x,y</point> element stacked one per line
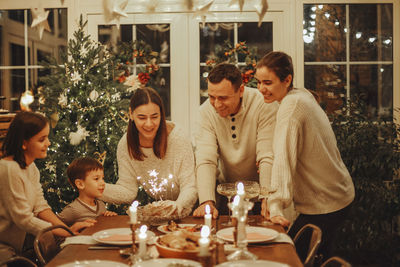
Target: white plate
<point>254,234</point>
<point>162,229</point>
<point>99,236</point>
<point>94,263</point>
<point>250,263</point>
<point>165,262</point>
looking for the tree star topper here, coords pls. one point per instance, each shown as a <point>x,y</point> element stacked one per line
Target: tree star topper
<point>114,10</point>
<point>240,2</point>
<point>39,20</point>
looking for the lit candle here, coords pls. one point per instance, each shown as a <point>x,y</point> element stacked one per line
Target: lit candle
<point>235,205</point>
<point>204,241</point>
<point>207,217</point>
<point>133,212</point>
<point>240,189</point>
<point>142,241</point>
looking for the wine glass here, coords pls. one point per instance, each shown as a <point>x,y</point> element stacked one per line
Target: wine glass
<point>264,192</point>
<point>251,191</point>
<point>228,190</point>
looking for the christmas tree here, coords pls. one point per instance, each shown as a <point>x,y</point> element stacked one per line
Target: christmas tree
<point>87,107</point>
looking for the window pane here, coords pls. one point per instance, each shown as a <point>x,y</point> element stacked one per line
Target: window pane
<point>18,55</point>
<point>329,82</point>
<point>324,32</point>
<point>142,48</point>
<point>374,84</point>
<point>258,37</point>
<point>371,32</point>
<point>212,37</point>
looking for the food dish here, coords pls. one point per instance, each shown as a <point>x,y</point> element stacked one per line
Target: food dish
<point>94,263</point>
<point>246,263</point>
<point>167,262</point>
<point>168,252</point>
<point>188,226</point>
<point>254,234</point>
<point>118,236</point>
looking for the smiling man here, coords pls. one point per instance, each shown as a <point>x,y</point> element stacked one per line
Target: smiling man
<point>234,132</point>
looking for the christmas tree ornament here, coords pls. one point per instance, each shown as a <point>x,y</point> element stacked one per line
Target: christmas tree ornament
<point>133,82</point>
<point>94,95</point>
<point>54,119</point>
<point>76,77</point>
<point>75,138</point>
<point>39,20</point>
<point>100,157</point>
<point>203,12</point>
<point>261,9</point>
<point>239,2</point>
<point>63,100</point>
<point>114,10</point>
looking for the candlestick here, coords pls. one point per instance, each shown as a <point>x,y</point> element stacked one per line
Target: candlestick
<point>133,212</point>
<point>204,241</point>
<point>207,217</point>
<point>142,241</point>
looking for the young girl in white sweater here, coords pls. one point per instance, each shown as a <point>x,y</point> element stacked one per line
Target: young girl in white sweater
<point>307,168</point>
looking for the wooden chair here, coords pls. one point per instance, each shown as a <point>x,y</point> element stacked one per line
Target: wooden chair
<point>312,233</point>
<point>46,245</point>
<point>335,262</point>
<point>18,261</point>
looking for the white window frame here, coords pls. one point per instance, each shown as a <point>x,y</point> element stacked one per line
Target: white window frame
<point>396,43</point>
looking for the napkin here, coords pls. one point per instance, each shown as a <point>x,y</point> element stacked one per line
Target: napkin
<point>281,238</point>
<point>79,239</point>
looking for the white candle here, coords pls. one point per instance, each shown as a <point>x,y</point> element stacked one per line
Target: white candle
<point>204,241</point>
<point>207,217</point>
<point>240,189</point>
<point>235,205</point>
<point>142,241</point>
<point>133,212</point>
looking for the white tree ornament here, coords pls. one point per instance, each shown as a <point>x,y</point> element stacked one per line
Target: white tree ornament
<point>114,10</point>
<point>39,20</point>
<point>94,95</point>
<point>261,10</point>
<point>76,137</point>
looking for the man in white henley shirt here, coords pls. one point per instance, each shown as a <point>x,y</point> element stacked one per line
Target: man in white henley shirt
<point>235,131</point>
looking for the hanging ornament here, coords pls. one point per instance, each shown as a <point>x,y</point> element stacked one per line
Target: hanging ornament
<point>54,119</point>
<point>76,137</point>
<point>151,5</point>
<point>101,157</point>
<point>114,10</point>
<point>203,12</point>
<point>189,5</point>
<point>240,3</point>
<point>76,77</point>
<point>63,100</point>
<point>94,95</point>
<point>133,82</point>
<point>39,20</point>
<point>50,167</point>
<point>261,10</point>
<point>164,51</point>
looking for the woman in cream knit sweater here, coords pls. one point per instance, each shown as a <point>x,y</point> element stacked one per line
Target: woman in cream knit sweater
<point>307,168</point>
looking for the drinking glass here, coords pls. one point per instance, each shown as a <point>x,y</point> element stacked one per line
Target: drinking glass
<point>228,190</point>
<point>264,192</point>
<point>251,191</point>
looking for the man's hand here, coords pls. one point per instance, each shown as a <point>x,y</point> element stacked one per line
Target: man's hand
<point>109,213</point>
<point>280,220</point>
<point>201,210</point>
<point>78,226</point>
<point>264,209</point>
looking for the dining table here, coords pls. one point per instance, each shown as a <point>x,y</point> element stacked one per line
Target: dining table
<point>272,251</point>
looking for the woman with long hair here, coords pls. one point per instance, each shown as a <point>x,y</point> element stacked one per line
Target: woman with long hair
<point>154,154</point>
<point>23,208</point>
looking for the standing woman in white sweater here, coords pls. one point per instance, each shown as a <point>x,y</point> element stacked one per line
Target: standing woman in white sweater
<point>23,208</point>
<point>307,168</point>
<point>155,154</point>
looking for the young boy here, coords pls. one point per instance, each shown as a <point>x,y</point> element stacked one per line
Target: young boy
<point>87,176</point>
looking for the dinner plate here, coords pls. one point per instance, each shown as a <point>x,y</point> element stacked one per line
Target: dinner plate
<point>258,263</point>
<point>94,263</point>
<point>254,234</point>
<point>167,262</point>
<point>118,236</point>
<point>163,228</point>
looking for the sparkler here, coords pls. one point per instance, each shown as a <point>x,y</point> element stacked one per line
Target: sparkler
<point>158,185</point>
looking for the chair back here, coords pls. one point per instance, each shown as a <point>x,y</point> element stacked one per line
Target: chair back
<point>335,262</point>
<point>312,233</point>
<point>18,261</point>
<point>46,245</point>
